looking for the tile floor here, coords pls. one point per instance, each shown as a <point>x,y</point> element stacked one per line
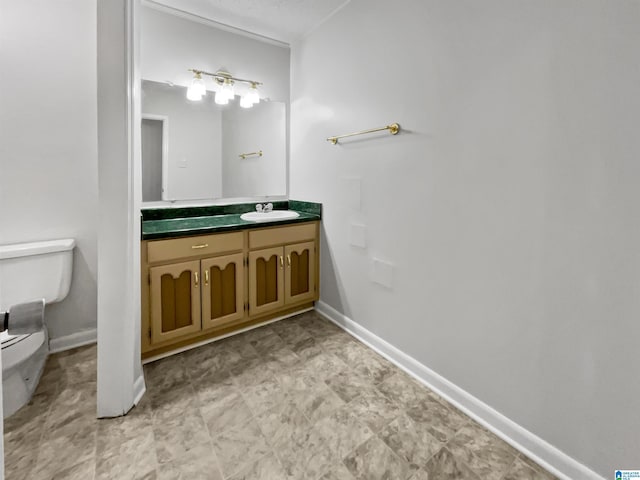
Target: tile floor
<point>298,399</point>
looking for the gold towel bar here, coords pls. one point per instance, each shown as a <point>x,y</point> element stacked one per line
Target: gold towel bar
<point>394,128</point>
<point>245,155</point>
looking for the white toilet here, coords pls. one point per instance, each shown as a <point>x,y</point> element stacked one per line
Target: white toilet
<point>29,271</point>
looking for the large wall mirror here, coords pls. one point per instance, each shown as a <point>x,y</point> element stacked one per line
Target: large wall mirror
<point>199,152</point>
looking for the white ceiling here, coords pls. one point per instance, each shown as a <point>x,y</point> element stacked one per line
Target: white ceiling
<point>282,20</point>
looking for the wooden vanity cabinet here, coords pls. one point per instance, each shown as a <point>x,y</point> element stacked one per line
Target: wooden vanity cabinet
<point>266,280</point>
<point>198,287</point>
<point>281,276</point>
<point>285,273</point>
<point>175,300</point>
<point>300,272</point>
<point>222,290</point>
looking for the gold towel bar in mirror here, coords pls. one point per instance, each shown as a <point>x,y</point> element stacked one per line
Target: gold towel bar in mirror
<point>245,155</point>
<point>394,128</point>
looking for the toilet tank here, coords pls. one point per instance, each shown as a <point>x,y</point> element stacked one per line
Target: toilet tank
<point>35,270</point>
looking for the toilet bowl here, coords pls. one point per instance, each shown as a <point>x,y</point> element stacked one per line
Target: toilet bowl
<point>29,271</point>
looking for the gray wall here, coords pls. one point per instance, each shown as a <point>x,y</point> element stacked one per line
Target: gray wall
<point>507,206</point>
<point>48,151</point>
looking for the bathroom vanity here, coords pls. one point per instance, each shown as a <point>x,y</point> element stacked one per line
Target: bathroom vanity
<point>209,273</point>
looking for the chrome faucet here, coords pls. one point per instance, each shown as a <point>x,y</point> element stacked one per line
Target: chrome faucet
<point>266,208</point>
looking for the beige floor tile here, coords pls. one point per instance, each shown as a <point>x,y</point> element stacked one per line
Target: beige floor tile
<point>486,454</point>
<point>443,421</point>
<point>225,413</point>
<point>81,471</point>
<point>411,441</point>
<point>266,468</point>
<point>198,464</point>
<point>280,423</point>
<point>64,448</point>
<point>306,455</point>
<point>525,469</point>
<point>339,472</point>
<point>298,399</point>
<point>239,447</point>
<point>132,458</point>
<point>265,395</point>
<point>373,408</point>
<point>177,437</point>
<point>374,460</point>
<point>343,431</point>
<point>444,465</point>
<point>348,385</point>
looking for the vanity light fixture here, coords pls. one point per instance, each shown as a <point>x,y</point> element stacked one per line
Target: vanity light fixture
<point>225,91</point>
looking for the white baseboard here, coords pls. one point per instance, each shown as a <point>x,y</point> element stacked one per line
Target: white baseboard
<point>139,388</point>
<point>534,447</point>
<point>78,339</point>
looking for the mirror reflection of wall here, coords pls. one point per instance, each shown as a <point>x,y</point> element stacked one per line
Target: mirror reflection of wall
<point>204,144</point>
<point>194,164</point>
<point>260,128</point>
<point>203,141</point>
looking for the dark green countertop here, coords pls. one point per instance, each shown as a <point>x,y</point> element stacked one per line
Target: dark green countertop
<point>158,224</point>
<point>180,227</point>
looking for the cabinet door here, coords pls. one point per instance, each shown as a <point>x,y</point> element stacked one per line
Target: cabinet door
<point>266,280</point>
<point>175,300</point>
<point>222,290</point>
<point>300,272</point>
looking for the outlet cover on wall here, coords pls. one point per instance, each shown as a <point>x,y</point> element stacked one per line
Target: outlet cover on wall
<point>358,235</point>
<point>382,273</point>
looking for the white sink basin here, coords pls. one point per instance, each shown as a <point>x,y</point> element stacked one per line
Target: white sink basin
<point>271,216</point>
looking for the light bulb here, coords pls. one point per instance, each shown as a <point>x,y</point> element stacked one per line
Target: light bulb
<point>197,89</point>
<point>193,94</point>
<point>198,84</point>
<point>221,98</point>
<point>252,94</point>
<point>245,101</point>
<point>227,89</point>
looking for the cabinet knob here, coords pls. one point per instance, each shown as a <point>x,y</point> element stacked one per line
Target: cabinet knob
<point>281,262</point>
<point>288,260</point>
<point>206,277</point>
<point>202,245</point>
<point>195,278</point>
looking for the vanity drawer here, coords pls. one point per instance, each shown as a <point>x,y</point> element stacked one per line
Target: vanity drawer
<point>282,235</point>
<point>162,250</point>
